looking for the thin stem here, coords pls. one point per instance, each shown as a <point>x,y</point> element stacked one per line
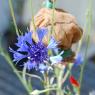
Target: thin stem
<point>6,56</point>
<point>46,90</point>
<point>79,46</point>
<point>59,84</point>
<point>29,84</point>
<point>37,92</point>
<point>59,72</point>
<point>13,16</point>
<point>0,42</point>
<point>33,22</point>
<point>53,18</point>
<point>47,82</point>
<point>23,75</point>
<point>31,75</point>
<point>66,75</point>
<point>89,28</point>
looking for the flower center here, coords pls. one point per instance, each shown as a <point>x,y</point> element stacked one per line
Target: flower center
<point>38,53</point>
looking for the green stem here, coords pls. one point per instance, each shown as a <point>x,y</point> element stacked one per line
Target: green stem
<point>37,92</point>
<point>67,73</point>
<point>13,16</point>
<point>59,72</point>
<point>53,19</point>
<point>59,84</point>
<point>23,75</point>
<point>29,83</point>
<point>31,75</point>
<point>47,82</point>
<point>79,46</point>
<point>89,29</point>
<point>33,22</point>
<point>0,43</point>
<point>6,56</point>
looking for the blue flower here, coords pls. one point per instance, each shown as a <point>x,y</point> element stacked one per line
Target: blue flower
<point>36,53</point>
<point>78,60</point>
<point>52,44</point>
<point>56,59</point>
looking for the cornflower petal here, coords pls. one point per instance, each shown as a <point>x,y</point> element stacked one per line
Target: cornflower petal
<point>52,44</point>
<point>41,33</point>
<point>42,68</point>
<point>28,37</point>
<point>30,65</point>
<point>78,60</point>
<point>56,59</point>
<point>17,56</point>
<point>22,41</point>
<point>23,48</point>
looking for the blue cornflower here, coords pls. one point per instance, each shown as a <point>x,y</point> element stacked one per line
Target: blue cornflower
<point>36,53</point>
<point>78,60</point>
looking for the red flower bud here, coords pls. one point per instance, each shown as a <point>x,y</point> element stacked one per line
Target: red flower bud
<point>74,82</point>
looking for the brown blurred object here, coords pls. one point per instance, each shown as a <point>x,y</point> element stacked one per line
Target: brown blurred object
<point>66,30</point>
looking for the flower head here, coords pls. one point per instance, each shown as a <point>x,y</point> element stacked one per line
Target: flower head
<point>36,53</point>
<point>78,60</point>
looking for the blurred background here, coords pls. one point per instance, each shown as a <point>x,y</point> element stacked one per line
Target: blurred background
<point>9,83</point>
